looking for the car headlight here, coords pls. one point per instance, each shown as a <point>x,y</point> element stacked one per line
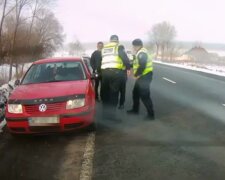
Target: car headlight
<point>76,103</point>
<point>15,108</point>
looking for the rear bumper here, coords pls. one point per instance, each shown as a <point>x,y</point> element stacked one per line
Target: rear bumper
<point>67,122</point>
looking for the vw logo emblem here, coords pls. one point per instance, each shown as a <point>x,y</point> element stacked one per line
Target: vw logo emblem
<point>42,108</point>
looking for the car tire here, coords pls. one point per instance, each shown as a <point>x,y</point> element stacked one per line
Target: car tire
<point>92,127</point>
<point>17,136</point>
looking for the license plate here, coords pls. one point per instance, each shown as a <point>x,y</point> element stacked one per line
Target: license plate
<point>42,121</point>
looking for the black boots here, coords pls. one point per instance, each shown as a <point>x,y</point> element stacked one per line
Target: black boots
<point>149,118</point>
<point>132,112</point>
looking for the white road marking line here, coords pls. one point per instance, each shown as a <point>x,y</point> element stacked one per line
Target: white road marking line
<point>2,124</point>
<point>87,164</point>
<point>169,80</point>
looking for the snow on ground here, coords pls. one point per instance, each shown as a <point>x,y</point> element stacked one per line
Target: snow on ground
<point>2,124</point>
<point>4,70</point>
<point>220,53</point>
<point>210,69</point>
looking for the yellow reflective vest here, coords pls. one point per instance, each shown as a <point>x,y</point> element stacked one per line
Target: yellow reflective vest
<point>149,65</point>
<point>110,57</point>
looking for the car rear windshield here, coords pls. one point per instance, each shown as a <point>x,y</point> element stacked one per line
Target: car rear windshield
<point>54,72</point>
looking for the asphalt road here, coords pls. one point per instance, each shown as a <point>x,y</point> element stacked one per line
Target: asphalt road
<point>186,141</point>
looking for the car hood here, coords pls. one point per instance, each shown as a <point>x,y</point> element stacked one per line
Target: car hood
<point>48,90</point>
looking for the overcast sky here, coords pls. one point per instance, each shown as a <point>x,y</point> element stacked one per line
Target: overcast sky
<point>95,20</point>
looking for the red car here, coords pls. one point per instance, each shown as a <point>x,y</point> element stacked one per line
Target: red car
<point>55,95</point>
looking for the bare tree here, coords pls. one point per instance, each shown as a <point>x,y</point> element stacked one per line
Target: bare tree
<point>49,33</point>
<point>36,7</point>
<point>29,30</point>
<point>173,50</point>
<point>162,34</point>
<point>20,5</point>
<point>4,14</point>
<point>1,22</point>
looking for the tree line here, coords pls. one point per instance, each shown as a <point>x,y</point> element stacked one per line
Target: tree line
<point>29,30</point>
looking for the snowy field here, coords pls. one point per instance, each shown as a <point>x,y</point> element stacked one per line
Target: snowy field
<point>211,69</point>
<point>220,53</point>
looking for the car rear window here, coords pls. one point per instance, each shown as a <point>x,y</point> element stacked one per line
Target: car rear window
<point>55,72</point>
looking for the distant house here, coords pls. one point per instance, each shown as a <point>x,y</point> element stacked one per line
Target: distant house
<point>198,54</point>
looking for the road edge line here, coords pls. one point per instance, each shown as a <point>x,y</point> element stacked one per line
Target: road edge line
<point>87,164</point>
<point>190,68</point>
<point>169,80</point>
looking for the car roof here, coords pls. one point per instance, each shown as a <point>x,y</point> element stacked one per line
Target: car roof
<point>58,59</point>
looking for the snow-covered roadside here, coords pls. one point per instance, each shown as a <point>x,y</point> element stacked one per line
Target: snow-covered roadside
<point>2,124</point>
<point>210,69</point>
<point>8,87</point>
<point>5,92</point>
<point>4,70</point>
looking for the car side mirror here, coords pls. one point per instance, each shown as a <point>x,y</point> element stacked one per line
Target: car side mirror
<point>17,82</point>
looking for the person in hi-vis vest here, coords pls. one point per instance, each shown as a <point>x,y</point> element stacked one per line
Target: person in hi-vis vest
<point>143,72</point>
<point>114,58</point>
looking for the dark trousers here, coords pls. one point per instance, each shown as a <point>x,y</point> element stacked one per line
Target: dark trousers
<point>97,83</point>
<point>123,88</point>
<point>111,81</point>
<point>142,91</point>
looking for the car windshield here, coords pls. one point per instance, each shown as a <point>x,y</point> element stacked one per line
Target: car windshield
<point>54,72</point>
